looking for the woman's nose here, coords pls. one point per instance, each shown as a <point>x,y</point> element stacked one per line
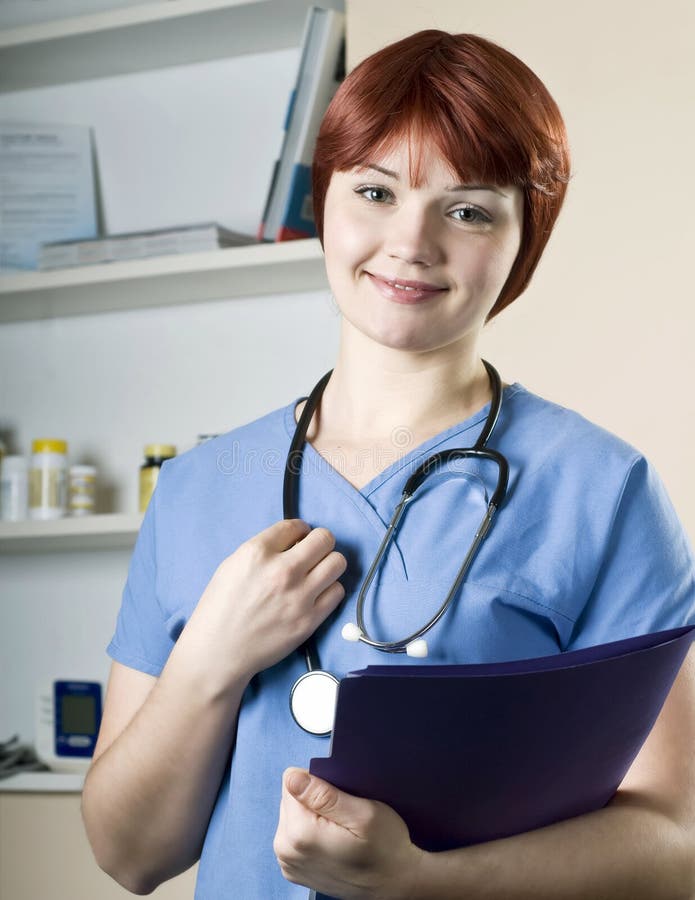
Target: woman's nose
<point>412,236</point>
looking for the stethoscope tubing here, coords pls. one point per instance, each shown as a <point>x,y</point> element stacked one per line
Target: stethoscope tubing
<point>290,486</point>
<point>314,693</point>
<point>400,646</point>
<point>479,450</point>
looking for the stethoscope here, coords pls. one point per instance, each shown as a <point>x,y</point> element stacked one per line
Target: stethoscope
<point>313,696</point>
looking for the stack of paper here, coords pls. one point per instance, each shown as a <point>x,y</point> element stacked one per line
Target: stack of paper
<point>140,245</point>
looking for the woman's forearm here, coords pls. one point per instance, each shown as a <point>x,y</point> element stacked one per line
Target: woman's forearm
<point>622,852</point>
<point>148,798</point>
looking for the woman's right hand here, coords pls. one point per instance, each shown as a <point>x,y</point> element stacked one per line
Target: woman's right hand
<point>267,598</point>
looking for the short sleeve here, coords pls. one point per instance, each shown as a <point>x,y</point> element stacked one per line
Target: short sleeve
<point>141,640</point>
<point>646,579</point>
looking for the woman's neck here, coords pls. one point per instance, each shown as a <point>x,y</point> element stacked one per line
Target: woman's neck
<point>377,394</point>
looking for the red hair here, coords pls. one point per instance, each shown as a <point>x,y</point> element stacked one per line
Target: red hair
<point>490,117</point>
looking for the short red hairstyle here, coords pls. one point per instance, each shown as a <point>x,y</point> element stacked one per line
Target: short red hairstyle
<point>490,117</point>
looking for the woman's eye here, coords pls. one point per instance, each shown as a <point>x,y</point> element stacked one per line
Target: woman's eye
<point>374,194</point>
<point>471,214</point>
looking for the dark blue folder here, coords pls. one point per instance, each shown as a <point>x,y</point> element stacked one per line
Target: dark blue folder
<point>473,753</point>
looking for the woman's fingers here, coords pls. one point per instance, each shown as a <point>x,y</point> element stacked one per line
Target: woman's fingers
<point>321,567</point>
<point>328,601</point>
<point>311,549</point>
<point>271,593</point>
<point>283,535</point>
<point>325,573</point>
<point>302,547</point>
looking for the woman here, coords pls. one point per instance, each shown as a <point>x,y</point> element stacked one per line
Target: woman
<point>440,170</point>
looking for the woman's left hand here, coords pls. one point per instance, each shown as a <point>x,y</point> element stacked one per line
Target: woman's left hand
<point>342,845</point>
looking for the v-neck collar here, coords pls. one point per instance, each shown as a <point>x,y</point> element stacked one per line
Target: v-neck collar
<point>363,500</point>
<point>422,450</point>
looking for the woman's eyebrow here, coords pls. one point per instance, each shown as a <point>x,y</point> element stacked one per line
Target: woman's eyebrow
<point>452,188</point>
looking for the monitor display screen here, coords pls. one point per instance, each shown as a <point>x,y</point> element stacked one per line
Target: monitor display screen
<point>78,714</point>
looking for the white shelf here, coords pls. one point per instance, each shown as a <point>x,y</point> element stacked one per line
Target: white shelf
<point>43,783</point>
<point>149,36</point>
<point>162,281</point>
<point>101,532</point>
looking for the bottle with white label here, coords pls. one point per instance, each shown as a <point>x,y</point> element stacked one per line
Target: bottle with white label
<point>14,489</point>
<point>82,490</point>
<point>48,482</point>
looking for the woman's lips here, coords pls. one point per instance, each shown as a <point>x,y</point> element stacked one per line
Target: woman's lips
<point>415,292</point>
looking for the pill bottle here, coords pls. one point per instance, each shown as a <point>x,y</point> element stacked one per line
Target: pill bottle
<point>14,489</point>
<point>82,484</point>
<point>48,483</point>
<point>155,455</point>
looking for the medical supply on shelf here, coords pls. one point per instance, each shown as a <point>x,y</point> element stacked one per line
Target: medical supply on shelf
<point>14,489</point>
<point>155,455</point>
<point>82,484</point>
<point>67,720</point>
<point>48,483</point>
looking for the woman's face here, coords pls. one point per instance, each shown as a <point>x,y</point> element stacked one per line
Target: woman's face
<point>418,268</point>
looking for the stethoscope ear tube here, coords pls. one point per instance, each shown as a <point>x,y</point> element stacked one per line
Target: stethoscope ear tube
<point>289,489</point>
<point>438,460</point>
<point>495,406</point>
<point>295,453</point>
<point>401,646</point>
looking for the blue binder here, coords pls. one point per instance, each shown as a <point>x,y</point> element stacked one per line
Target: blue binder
<point>473,753</point>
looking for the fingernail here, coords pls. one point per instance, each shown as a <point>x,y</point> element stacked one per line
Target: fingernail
<point>298,782</point>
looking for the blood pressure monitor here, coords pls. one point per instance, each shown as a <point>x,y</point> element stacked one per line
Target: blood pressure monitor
<point>68,715</point>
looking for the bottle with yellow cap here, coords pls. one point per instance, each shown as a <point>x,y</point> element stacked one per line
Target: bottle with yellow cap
<point>48,484</point>
<point>155,455</point>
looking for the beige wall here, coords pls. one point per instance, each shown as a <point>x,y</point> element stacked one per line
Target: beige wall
<point>608,323</point>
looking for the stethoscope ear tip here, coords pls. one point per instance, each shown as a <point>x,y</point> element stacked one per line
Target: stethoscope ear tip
<point>351,632</point>
<point>417,649</point>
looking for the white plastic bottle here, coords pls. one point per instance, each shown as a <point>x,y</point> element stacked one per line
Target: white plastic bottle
<point>14,489</point>
<point>48,482</point>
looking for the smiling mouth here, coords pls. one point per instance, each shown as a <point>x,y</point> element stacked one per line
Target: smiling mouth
<point>404,290</point>
<point>405,284</point>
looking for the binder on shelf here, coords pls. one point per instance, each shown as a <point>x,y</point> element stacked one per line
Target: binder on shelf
<point>288,212</point>
<point>141,244</point>
<point>473,753</point>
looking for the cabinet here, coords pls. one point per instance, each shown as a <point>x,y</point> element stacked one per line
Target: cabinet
<point>42,310</point>
<point>44,853</point>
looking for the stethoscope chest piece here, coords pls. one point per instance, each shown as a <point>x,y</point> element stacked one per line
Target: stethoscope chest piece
<point>313,700</point>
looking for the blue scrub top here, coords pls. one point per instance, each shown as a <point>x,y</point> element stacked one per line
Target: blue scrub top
<point>586,549</point>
